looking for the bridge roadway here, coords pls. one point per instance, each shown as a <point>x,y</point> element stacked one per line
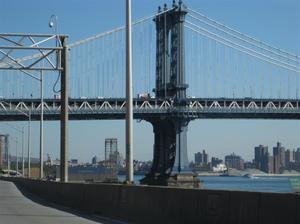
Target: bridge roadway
<point>15,208</point>
<point>147,108</point>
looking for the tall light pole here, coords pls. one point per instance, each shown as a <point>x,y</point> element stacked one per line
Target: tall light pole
<point>129,110</point>
<point>29,144</point>
<point>41,122</point>
<point>64,101</point>
<point>8,157</point>
<point>28,140</point>
<point>17,160</point>
<point>42,129</point>
<point>22,132</point>
<point>23,161</point>
<point>52,23</point>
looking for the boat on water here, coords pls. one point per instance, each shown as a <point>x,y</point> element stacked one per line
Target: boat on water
<point>224,175</point>
<point>249,175</point>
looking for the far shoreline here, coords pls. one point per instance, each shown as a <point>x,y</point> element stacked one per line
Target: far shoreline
<point>205,174</point>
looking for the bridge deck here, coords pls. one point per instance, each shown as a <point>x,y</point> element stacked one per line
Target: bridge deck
<point>16,208</point>
<point>114,108</point>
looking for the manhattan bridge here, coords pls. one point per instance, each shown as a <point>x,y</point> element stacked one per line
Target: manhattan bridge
<point>186,66</point>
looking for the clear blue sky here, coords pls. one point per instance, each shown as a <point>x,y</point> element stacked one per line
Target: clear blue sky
<point>274,21</point>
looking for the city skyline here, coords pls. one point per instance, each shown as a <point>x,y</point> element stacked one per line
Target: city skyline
<point>232,135</point>
<point>211,134</point>
<point>200,156</point>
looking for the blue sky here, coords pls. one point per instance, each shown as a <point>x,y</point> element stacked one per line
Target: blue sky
<point>274,21</point>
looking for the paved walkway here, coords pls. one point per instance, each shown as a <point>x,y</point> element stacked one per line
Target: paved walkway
<point>15,208</point>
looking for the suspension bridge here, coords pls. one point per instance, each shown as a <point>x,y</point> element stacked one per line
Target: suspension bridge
<point>186,66</point>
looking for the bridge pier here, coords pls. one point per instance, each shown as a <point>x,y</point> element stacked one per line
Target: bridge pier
<point>170,161</point>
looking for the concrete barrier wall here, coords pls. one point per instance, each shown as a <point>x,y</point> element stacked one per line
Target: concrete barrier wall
<point>147,204</point>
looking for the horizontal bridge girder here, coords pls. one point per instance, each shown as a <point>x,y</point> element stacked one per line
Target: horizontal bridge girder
<point>192,108</point>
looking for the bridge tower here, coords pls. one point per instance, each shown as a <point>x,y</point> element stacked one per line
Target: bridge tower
<point>170,133</point>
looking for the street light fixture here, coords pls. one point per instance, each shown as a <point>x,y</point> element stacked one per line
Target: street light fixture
<point>53,23</point>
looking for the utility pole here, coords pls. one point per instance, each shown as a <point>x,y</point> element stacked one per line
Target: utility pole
<point>129,112</point>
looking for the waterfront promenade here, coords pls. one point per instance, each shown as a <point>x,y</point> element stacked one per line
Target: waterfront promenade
<point>16,208</point>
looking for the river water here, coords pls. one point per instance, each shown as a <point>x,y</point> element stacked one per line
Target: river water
<point>261,184</point>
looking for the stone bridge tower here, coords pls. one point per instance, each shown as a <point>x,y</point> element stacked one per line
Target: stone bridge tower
<point>170,132</point>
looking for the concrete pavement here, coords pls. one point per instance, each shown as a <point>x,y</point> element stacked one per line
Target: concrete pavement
<point>15,208</point>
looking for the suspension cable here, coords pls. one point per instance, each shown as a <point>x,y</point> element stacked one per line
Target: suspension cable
<point>98,36</point>
<point>260,46</point>
<point>237,47</point>
<point>244,35</point>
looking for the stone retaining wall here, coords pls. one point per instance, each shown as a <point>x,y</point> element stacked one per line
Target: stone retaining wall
<point>148,204</point>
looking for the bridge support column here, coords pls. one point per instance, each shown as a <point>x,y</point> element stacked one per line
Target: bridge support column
<point>181,160</point>
<point>170,163</point>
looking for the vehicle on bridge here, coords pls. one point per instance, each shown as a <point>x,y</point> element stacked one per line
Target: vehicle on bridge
<point>144,96</point>
<point>10,173</point>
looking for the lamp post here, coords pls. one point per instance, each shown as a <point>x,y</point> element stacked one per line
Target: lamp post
<point>29,144</point>
<point>53,23</point>
<point>42,129</point>
<point>8,158</point>
<point>129,112</point>
<point>23,151</point>
<point>64,100</point>
<point>22,132</point>
<point>17,160</point>
<point>62,60</point>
